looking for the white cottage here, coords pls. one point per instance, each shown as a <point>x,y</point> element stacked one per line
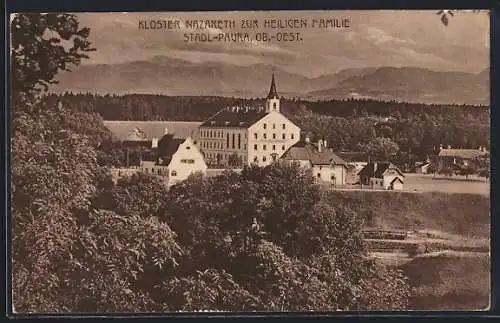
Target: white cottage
<point>326,167</point>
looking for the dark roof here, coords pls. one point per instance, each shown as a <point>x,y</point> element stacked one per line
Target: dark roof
<point>354,156</point>
<point>396,179</point>
<point>242,117</point>
<point>272,91</point>
<point>167,146</point>
<point>309,151</point>
<point>370,171</point>
<point>462,153</point>
<point>147,130</point>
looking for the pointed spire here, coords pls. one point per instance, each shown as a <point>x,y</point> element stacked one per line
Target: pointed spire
<point>272,91</point>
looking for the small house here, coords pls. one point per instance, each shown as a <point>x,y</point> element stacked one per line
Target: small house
<point>382,175</point>
<point>326,167</point>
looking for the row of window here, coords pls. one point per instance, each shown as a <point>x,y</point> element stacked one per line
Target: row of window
<point>264,135</point>
<point>214,134</point>
<point>264,158</point>
<point>264,147</point>
<point>219,157</point>
<point>220,145</point>
<point>187,161</point>
<point>283,126</point>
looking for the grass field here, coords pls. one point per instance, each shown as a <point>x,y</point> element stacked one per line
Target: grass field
<point>456,184</point>
<point>467,215</point>
<point>449,280</point>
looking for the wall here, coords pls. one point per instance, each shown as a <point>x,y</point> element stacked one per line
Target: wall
<point>389,176</point>
<point>179,170</point>
<point>326,172</point>
<point>271,124</point>
<point>215,146</point>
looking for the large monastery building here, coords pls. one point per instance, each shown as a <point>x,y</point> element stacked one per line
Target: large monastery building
<point>248,135</point>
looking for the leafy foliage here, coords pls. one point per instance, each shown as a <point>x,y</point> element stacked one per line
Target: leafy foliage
<point>260,240</point>
<point>42,45</point>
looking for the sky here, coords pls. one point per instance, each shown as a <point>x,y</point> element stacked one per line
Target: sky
<point>373,38</point>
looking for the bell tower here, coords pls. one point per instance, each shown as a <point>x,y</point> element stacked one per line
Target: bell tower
<point>272,100</point>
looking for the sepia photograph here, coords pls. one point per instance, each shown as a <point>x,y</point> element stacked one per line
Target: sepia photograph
<point>250,161</point>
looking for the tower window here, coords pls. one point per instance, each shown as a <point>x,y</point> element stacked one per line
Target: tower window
<point>227,140</point>
<point>274,105</point>
<point>239,141</point>
<point>233,140</point>
<point>283,125</point>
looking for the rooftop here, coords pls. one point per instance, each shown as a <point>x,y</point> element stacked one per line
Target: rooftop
<point>147,130</point>
<point>377,169</point>
<point>462,153</point>
<point>309,151</point>
<point>242,117</point>
<point>354,156</point>
<point>167,146</point>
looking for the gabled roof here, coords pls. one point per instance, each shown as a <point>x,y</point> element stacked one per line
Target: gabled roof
<point>167,147</point>
<point>309,151</point>
<point>377,172</point>
<point>462,153</point>
<point>147,130</point>
<point>241,117</point>
<point>396,179</point>
<point>354,156</point>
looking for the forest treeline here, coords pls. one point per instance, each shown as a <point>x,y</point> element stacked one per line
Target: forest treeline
<point>415,130</point>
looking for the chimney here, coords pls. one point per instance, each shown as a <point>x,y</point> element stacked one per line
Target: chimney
<point>325,143</point>
<point>320,145</point>
<point>449,146</point>
<point>154,143</point>
<point>165,132</point>
<point>440,146</point>
<point>307,139</point>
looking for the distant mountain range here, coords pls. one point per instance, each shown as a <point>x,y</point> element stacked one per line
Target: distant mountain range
<point>164,75</point>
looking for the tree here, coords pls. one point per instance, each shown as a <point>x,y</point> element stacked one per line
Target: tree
<point>42,45</point>
<point>467,170</point>
<point>234,160</point>
<point>381,148</point>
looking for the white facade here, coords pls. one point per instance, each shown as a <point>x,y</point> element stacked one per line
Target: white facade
<point>270,137</point>
<point>332,174</point>
<point>185,161</point>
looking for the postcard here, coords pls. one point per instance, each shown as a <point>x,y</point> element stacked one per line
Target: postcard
<point>250,161</point>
